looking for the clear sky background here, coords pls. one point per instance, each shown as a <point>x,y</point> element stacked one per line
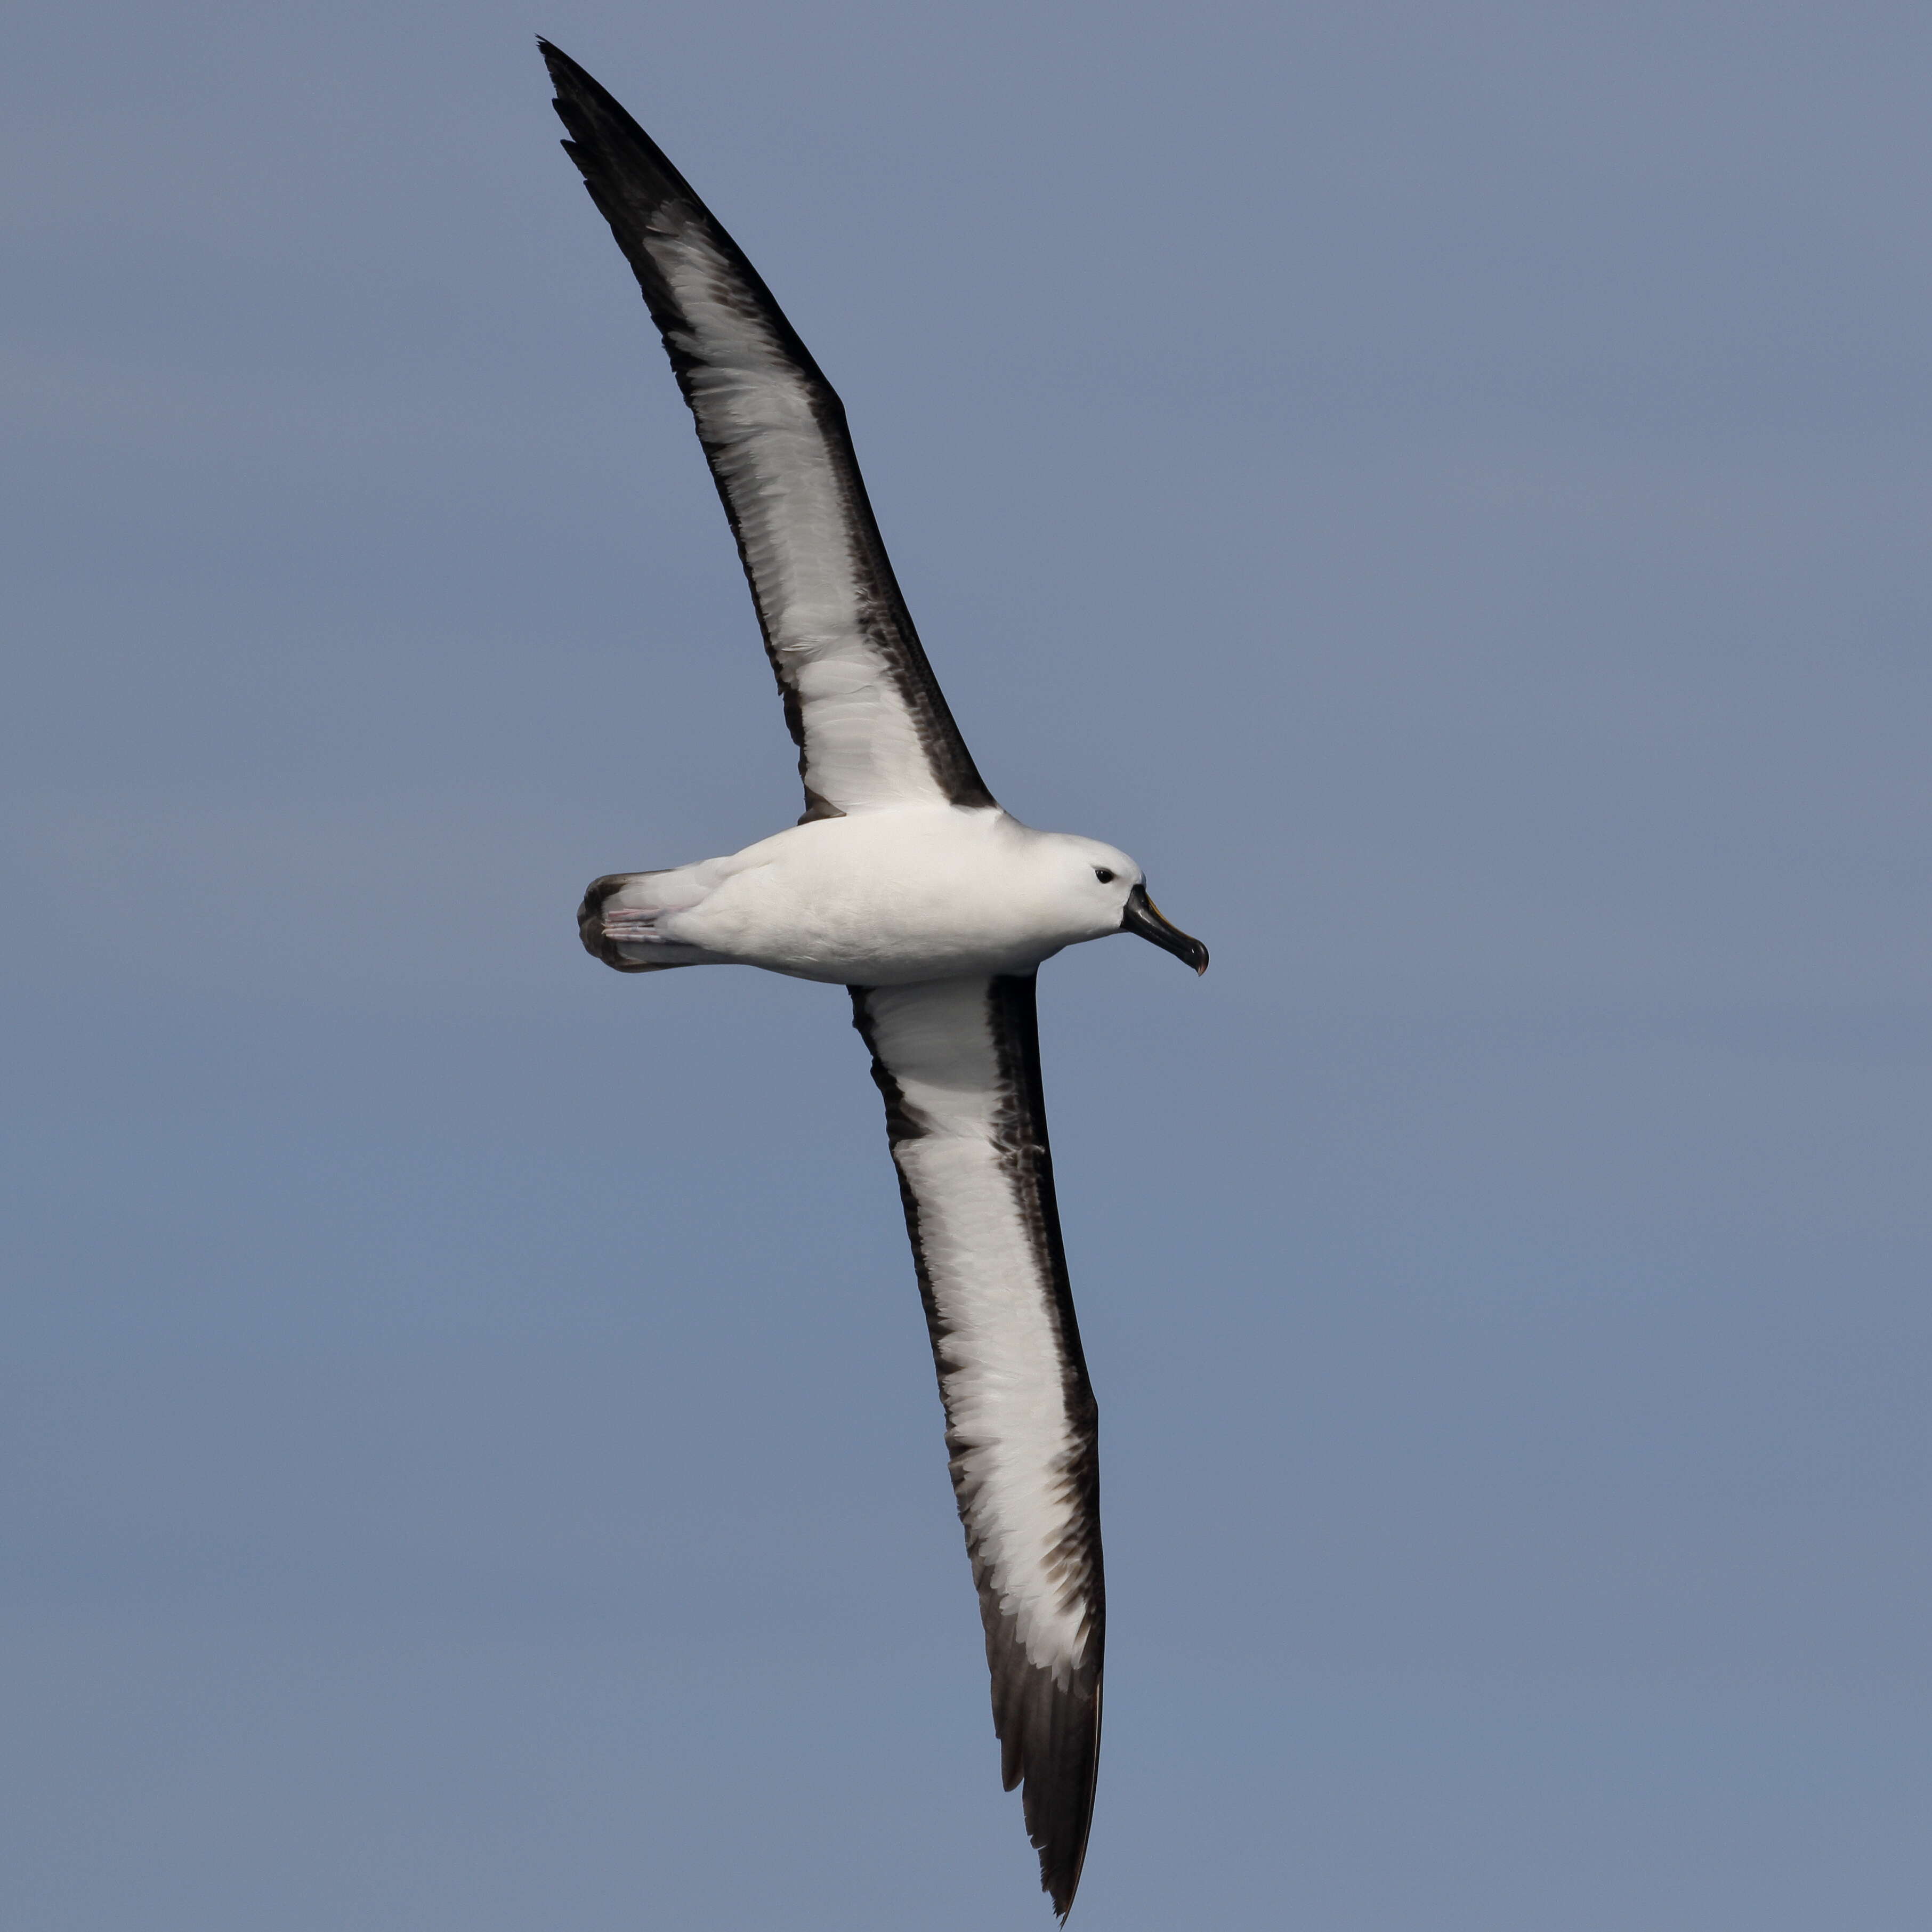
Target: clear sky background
<point>1447,487</point>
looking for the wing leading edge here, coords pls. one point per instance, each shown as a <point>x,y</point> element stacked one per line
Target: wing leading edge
<point>871,725</point>
<point>958,1061</point>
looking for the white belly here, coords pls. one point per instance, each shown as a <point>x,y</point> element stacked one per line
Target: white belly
<point>884,899</point>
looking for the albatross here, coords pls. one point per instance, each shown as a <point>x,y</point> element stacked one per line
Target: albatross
<point>906,883</point>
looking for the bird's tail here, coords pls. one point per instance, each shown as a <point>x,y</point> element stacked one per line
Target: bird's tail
<point>618,921</point>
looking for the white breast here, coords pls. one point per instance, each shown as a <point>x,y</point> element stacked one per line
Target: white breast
<point>886,898</point>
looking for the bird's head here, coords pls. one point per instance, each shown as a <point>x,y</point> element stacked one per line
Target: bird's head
<point>1110,893</point>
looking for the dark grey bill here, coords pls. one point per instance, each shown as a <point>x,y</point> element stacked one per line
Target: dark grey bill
<point>1142,916</point>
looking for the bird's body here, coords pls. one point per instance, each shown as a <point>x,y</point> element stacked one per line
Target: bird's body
<point>885,899</point>
<point>907,883</point>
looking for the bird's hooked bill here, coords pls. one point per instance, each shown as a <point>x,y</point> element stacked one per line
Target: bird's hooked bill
<point>1142,916</point>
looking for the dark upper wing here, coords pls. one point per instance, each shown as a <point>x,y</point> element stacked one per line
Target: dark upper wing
<point>958,1061</point>
<point>872,728</point>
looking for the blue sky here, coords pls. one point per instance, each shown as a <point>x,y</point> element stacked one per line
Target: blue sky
<point>1447,489</point>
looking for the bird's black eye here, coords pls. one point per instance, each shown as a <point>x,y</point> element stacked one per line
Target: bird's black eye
<point>1101,873</point>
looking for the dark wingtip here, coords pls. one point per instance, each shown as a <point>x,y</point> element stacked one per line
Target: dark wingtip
<point>1061,1860</point>
<point>619,161</point>
<point>1060,1883</point>
<point>1050,1745</point>
<point>576,88</point>
<point>572,80</point>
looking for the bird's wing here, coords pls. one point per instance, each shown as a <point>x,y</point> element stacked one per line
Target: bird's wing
<point>958,1061</point>
<point>872,727</point>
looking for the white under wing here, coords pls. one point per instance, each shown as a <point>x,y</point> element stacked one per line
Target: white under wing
<point>863,748</point>
<point>1002,1357</point>
<point>872,727</point>
<point>957,1062</point>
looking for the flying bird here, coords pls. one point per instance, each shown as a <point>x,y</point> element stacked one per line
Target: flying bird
<point>906,883</point>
